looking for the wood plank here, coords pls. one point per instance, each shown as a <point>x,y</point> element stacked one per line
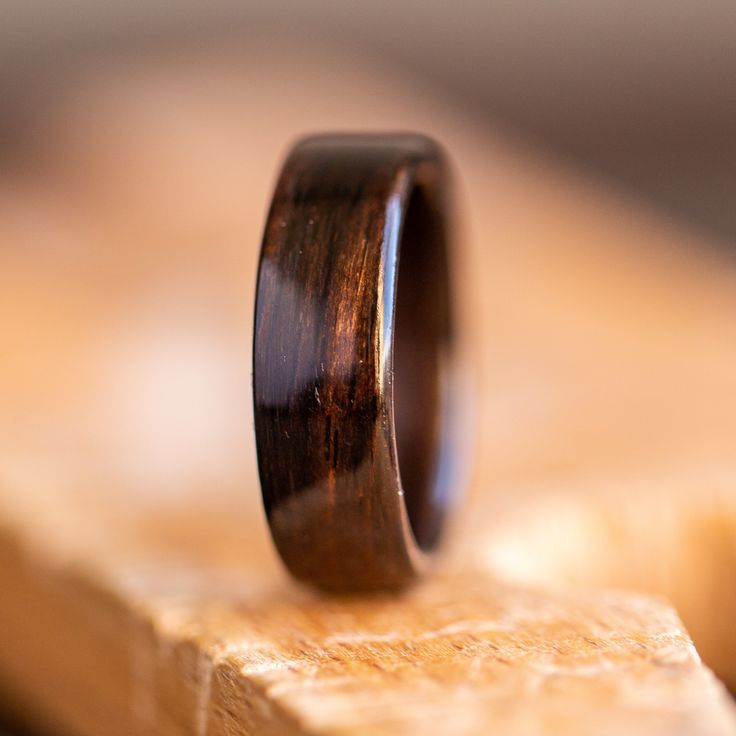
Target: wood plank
<point>675,536</point>
<point>140,591</point>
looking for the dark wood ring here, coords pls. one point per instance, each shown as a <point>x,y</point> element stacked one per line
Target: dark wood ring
<point>350,360</point>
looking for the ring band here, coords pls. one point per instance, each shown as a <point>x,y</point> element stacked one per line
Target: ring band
<point>351,360</point>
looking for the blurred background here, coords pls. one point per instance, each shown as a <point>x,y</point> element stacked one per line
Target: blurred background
<point>641,92</point>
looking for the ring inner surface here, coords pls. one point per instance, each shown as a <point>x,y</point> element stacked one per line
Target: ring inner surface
<point>421,343</point>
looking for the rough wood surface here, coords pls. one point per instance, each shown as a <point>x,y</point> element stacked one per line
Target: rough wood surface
<point>140,593</point>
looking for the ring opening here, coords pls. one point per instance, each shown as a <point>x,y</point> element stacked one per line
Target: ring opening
<point>420,351</point>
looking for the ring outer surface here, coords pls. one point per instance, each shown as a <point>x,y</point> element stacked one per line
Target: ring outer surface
<point>323,358</point>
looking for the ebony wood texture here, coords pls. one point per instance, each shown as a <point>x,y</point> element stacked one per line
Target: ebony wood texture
<point>352,359</point>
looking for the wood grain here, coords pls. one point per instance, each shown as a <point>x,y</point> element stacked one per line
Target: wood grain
<point>349,361</point>
<point>140,591</point>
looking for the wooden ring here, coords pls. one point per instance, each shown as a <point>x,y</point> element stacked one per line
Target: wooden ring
<point>350,360</point>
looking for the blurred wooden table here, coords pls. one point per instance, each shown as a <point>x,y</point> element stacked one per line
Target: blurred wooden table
<point>140,593</point>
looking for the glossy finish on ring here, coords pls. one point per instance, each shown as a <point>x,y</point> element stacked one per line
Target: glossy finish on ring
<point>351,360</point>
